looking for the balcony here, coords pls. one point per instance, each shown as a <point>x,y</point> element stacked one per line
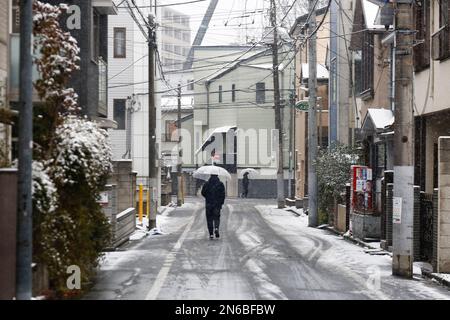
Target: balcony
<point>440,43</point>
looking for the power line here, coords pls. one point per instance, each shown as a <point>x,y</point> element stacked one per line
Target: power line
<point>172,4</point>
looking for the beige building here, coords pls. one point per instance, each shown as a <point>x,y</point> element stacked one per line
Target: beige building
<point>301,88</point>
<point>432,94</point>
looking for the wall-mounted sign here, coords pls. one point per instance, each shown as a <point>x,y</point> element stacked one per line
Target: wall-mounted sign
<point>302,105</point>
<point>397,210</point>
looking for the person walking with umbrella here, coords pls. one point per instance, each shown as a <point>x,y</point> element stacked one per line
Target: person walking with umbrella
<point>246,173</point>
<point>245,183</point>
<point>214,192</point>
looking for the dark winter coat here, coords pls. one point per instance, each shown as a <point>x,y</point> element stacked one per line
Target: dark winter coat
<point>214,192</point>
<point>245,181</point>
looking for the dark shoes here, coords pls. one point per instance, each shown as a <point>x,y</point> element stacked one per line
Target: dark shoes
<point>216,233</point>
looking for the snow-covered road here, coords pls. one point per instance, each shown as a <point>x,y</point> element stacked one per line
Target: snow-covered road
<point>263,253</point>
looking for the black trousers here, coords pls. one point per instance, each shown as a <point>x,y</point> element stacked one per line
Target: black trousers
<point>245,193</point>
<point>212,218</point>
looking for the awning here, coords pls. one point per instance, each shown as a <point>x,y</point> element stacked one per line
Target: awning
<point>372,15</point>
<point>105,123</point>
<point>211,139</point>
<point>106,7</point>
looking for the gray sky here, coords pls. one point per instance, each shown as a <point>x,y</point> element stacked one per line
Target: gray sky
<point>233,20</point>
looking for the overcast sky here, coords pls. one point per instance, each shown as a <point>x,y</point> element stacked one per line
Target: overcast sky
<point>233,20</point>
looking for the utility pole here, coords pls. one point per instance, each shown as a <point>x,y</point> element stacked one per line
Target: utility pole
<point>25,212</point>
<point>313,217</point>
<point>180,153</point>
<point>152,172</point>
<point>276,92</point>
<point>402,257</point>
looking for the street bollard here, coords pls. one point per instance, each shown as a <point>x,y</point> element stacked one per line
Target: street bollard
<point>141,203</point>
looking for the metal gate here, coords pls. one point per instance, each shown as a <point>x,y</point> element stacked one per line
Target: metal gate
<point>426,226</point>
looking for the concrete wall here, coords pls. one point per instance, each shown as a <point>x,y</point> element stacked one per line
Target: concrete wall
<point>365,226</point>
<point>125,180</point>
<point>341,221</point>
<point>262,188</point>
<point>436,126</point>
<point>8,200</point>
<point>443,253</point>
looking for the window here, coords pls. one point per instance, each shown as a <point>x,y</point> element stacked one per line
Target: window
<point>171,130</point>
<point>168,47</point>
<point>95,37</point>
<point>440,39</point>
<point>260,92</point>
<point>367,61</point>
<point>168,31</point>
<point>177,34</point>
<point>422,50</point>
<point>120,36</point>
<point>357,72</point>
<point>119,111</point>
<point>233,92</point>
<point>190,85</point>
<point>167,14</point>
<point>186,36</point>
<point>220,94</point>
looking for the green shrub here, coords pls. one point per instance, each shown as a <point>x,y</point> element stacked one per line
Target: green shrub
<point>333,166</point>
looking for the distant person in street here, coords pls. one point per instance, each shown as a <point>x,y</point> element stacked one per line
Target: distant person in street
<point>245,183</point>
<point>214,192</point>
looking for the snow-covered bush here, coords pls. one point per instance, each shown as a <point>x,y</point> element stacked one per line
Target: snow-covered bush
<point>82,151</point>
<point>333,166</point>
<point>56,57</point>
<point>44,190</point>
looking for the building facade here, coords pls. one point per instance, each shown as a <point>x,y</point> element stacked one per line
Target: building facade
<point>86,20</point>
<point>234,118</point>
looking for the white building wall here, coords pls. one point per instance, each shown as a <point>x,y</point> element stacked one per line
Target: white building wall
<point>135,84</point>
<point>119,76</point>
<point>251,119</point>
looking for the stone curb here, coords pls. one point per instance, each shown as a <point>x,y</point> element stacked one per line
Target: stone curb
<point>355,240</point>
<point>433,276</point>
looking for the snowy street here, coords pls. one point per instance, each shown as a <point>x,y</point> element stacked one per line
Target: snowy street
<point>263,253</point>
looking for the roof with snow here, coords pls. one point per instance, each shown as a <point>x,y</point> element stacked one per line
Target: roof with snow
<point>322,71</point>
<point>378,119</point>
<point>171,103</point>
